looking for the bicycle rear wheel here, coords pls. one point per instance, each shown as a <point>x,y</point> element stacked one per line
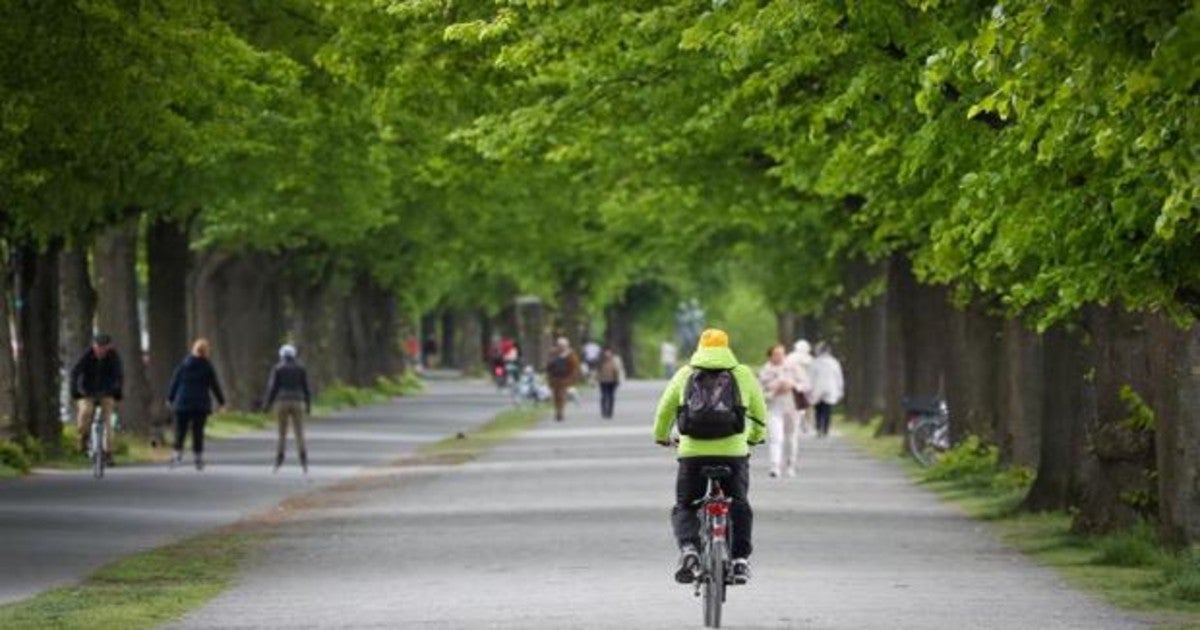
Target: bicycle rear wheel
<point>97,450</point>
<point>921,444</point>
<point>714,586</point>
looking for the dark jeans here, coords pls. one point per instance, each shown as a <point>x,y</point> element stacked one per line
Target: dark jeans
<point>608,393</point>
<point>196,421</point>
<point>690,486</point>
<point>824,413</point>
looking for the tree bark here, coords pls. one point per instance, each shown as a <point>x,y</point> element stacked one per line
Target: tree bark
<point>532,333</point>
<point>77,301</point>
<point>1020,395</point>
<point>38,375</point>
<point>1119,460</point>
<point>971,349</point>
<point>1068,399</point>
<point>9,427</point>
<point>619,335</point>
<point>117,314</point>
<point>239,308</point>
<point>168,256</point>
<point>470,346</point>
<point>313,332</point>
<point>449,335</point>
<point>1177,435</point>
<point>895,385</point>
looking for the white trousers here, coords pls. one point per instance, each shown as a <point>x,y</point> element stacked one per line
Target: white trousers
<point>784,438</point>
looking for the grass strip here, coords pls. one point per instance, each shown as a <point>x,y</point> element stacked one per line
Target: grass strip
<point>143,590</point>
<point>1127,569</point>
<point>468,445</point>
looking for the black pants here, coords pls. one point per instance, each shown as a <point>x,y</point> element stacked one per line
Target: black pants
<point>824,413</point>
<point>195,420</point>
<point>608,393</point>
<point>690,486</point>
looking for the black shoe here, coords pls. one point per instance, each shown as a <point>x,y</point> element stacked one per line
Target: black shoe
<point>689,561</point>
<point>304,462</point>
<point>741,570</point>
<point>199,463</point>
<point>278,463</point>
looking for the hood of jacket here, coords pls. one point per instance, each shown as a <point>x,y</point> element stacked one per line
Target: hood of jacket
<point>714,359</point>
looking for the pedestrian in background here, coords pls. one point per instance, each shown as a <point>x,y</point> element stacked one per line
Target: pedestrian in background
<point>96,380</point>
<point>800,359</point>
<point>779,384</point>
<point>668,354</point>
<point>609,374</point>
<point>562,372</point>
<point>287,390</point>
<point>193,386</point>
<point>827,386</point>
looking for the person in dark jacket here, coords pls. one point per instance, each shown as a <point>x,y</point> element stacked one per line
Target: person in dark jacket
<point>189,397</point>
<point>96,380</point>
<point>287,389</point>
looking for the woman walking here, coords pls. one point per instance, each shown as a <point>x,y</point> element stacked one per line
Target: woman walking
<point>779,384</point>
<point>828,386</point>
<point>189,397</point>
<point>287,390</point>
<point>800,359</point>
<point>609,374</point>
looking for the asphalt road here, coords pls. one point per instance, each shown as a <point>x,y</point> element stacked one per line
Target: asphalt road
<point>57,527</point>
<point>566,527</point>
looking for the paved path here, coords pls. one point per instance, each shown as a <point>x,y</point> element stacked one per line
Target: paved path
<point>56,528</point>
<point>566,527</point>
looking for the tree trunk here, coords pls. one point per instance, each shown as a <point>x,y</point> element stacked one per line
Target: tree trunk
<point>619,335</point>
<point>569,322</point>
<point>38,375</point>
<point>1068,399</point>
<point>1119,459</point>
<point>1178,437</point>
<point>532,332</point>
<point>77,303</point>
<point>971,349</point>
<point>875,356</point>
<point>449,335</point>
<point>117,314</point>
<point>9,427</point>
<point>429,330</point>
<point>470,348</point>
<point>1021,393</point>
<point>785,327</point>
<point>313,332</point>
<point>168,256</point>
<point>239,308</point>
<point>895,385</point>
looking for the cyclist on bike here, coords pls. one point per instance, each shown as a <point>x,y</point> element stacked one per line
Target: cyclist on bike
<point>96,381</point>
<point>712,383</point>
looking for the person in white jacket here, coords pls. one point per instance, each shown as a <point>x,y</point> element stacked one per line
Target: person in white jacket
<point>778,380</point>
<point>800,359</point>
<point>827,386</point>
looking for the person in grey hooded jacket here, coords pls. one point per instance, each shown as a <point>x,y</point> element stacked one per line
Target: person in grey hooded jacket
<point>288,391</point>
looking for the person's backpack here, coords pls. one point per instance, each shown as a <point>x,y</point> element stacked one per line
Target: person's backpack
<point>559,367</point>
<point>712,406</point>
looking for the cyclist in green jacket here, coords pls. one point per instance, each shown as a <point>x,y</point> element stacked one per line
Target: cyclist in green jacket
<point>712,357</point>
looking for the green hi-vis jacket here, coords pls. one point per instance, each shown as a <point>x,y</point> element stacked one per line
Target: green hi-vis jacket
<point>752,398</point>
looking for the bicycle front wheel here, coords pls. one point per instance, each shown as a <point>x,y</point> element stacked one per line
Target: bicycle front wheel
<point>97,451</point>
<point>714,587</point>
<point>921,444</point>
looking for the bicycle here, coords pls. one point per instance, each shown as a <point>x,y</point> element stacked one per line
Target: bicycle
<point>98,442</point>
<point>928,428</point>
<point>716,530</point>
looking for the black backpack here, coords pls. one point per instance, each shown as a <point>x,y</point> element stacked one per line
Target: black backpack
<point>712,406</point>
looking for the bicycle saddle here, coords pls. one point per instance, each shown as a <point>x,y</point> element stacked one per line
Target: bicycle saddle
<point>716,472</point>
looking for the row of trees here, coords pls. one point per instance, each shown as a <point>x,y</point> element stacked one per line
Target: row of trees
<point>992,200</point>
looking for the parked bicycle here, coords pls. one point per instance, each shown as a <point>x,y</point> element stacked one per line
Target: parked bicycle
<point>715,571</point>
<point>928,428</point>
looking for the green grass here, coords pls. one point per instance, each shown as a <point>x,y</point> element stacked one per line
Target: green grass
<point>143,590</point>
<point>231,423</point>
<point>1128,569</point>
<point>470,445</point>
